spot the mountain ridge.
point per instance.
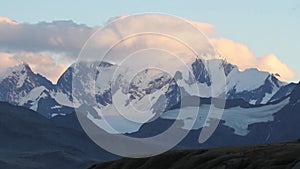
(20, 82)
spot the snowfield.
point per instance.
(237, 118)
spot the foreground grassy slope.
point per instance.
(267, 156)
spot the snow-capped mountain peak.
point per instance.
(20, 71)
(20, 86)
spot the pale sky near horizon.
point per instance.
(266, 27)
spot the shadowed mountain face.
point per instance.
(281, 155)
(32, 141)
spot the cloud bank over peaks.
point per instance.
(49, 47)
(56, 36)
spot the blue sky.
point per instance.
(266, 27)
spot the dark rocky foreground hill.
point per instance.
(266, 156)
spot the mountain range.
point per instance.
(20, 86)
(38, 119)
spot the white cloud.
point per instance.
(7, 21)
(240, 54)
(7, 61)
